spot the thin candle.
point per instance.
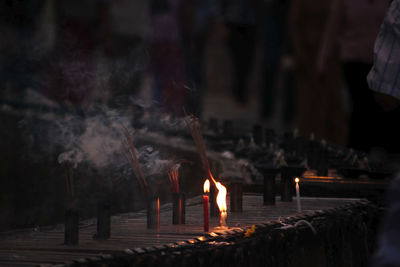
(297, 180)
(206, 189)
(158, 213)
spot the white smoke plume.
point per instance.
(94, 138)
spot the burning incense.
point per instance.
(194, 127)
(131, 155)
(173, 175)
(178, 199)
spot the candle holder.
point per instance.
(71, 227)
(183, 208)
(269, 184)
(236, 196)
(153, 213)
(288, 173)
(178, 208)
(103, 221)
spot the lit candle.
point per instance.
(298, 194)
(221, 202)
(206, 188)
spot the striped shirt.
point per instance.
(384, 76)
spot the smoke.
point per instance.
(93, 135)
(94, 138)
(151, 161)
(72, 156)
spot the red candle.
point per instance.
(205, 210)
(205, 204)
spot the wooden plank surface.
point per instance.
(128, 231)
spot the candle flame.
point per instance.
(206, 186)
(296, 179)
(221, 202)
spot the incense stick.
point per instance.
(130, 153)
(173, 175)
(194, 128)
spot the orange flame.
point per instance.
(296, 180)
(206, 186)
(221, 202)
(221, 199)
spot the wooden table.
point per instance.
(45, 246)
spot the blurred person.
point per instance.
(166, 55)
(351, 30)
(239, 22)
(18, 24)
(383, 80)
(196, 20)
(277, 61)
(128, 27)
(319, 107)
(68, 74)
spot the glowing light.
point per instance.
(221, 202)
(296, 179)
(206, 186)
(250, 231)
